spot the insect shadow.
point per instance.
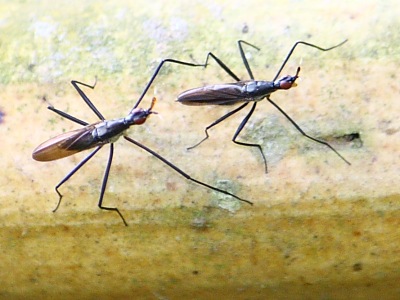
(248, 91)
(104, 132)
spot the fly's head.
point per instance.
(287, 81)
(139, 115)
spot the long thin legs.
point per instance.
(244, 59)
(307, 44)
(87, 101)
(104, 185)
(232, 112)
(153, 77)
(240, 128)
(72, 172)
(85, 98)
(67, 116)
(171, 165)
(306, 135)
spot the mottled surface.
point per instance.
(319, 229)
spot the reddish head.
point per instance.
(287, 81)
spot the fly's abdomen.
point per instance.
(220, 94)
(65, 144)
(227, 94)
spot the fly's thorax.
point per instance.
(258, 90)
(110, 130)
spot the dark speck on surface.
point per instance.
(357, 267)
(2, 114)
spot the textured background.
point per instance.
(318, 229)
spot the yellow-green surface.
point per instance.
(319, 229)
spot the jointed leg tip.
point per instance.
(247, 201)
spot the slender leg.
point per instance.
(306, 135)
(226, 68)
(240, 128)
(183, 173)
(222, 65)
(87, 101)
(244, 59)
(104, 185)
(307, 44)
(85, 98)
(74, 170)
(217, 122)
(153, 77)
(67, 116)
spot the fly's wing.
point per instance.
(66, 144)
(220, 94)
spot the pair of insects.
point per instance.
(104, 132)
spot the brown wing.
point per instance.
(220, 94)
(65, 144)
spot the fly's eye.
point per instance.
(287, 82)
(141, 117)
(141, 120)
(137, 116)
